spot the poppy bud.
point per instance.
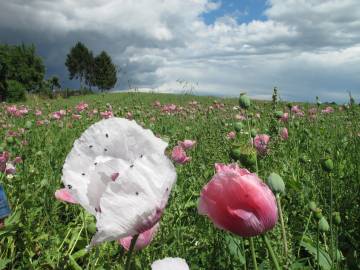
(10, 140)
(244, 101)
(253, 133)
(327, 164)
(318, 213)
(312, 206)
(238, 126)
(276, 183)
(28, 124)
(323, 225)
(279, 114)
(91, 228)
(336, 218)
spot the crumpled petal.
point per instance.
(170, 264)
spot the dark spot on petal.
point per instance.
(105, 149)
(69, 186)
(96, 229)
(141, 155)
(90, 146)
(137, 193)
(107, 135)
(83, 174)
(167, 189)
(95, 163)
(132, 165)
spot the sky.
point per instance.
(306, 48)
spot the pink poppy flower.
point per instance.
(231, 135)
(240, 117)
(76, 116)
(64, 195)
(143, 240)
(295, 109)
(38, 112)
(285, 117)
(187, 144)
(179, 155)
(238, 201)
(10, 169)
(328, 110)
(284, 133)
(260, 142)
(81, 106)
(106, 114)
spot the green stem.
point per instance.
(251, 141)
(331, 224)
(244, 252)
(271, 251)
(317, 247)
(283, 231)
(303, 235)
(253, 255)
(131, 249)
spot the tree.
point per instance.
(78, 61)
(3, 82)
(54, 82)
(23, 65)
(104, 72)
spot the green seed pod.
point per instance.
(246, 155)
(10, 140)
(238, 126)
(28, 124)
(279, 114)
(289, 105)
(244, 101)
(336, 218)
(318, 213)
(253, 133)
(312, 206)
(296, 124)
(91, 228)
(235, 153)
(276, 183)
(327, 164)
(323, 225)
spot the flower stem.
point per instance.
(271, 251)
(283, 231)
(331, 224)
(244, 252)
(303, 235)
(253, 255)
(317, 247)
(131, 249)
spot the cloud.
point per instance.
(306, 48)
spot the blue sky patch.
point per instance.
(243, 11)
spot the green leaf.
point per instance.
(3, 263)
(324, 258)
(234, 246)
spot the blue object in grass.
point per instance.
(4, 205)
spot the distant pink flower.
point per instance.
(56, 115)
(260, 142)
(284, 133)
(300, 113)
(157, 103)
(38, 112)
(64, 195)
(169, 108)
(179, 155)
(257, 115)
(328, 110)
(81, 106)
(240, 117)
(187, 144)
(18, 160)
(231, 135)
(285, 117)
(76, 116)
(129, 115)
(238, 201)
(295, 109)
(106, 114)
(312, 111)
(143, 240)
(39, 122)
(62, 112)
(10, 169)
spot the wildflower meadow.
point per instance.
(160, 181)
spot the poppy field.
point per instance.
(222, 183)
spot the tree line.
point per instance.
(22, 70)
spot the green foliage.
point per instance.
(15, 92)
(3, 83)
(105, 72)
(23, 65)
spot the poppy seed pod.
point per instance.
(327, 164)
(253, 133)
(238, 126)
(276, 183)
(279, 114)
(312, 206)
(336, 218)
(323, 225)
(318, 213)
(244, 101)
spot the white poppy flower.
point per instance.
(170, 263)
(118, 172)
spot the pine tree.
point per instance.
(104, 72)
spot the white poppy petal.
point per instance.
(113, 138)
(170, 263)
(136, 199)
